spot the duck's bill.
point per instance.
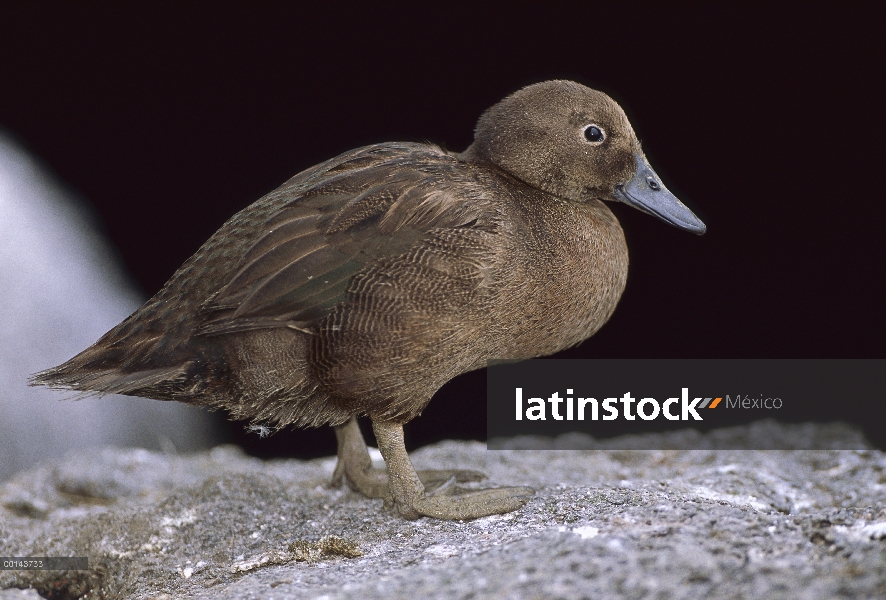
(646, 192)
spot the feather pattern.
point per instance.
(352, 229)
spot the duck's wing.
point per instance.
(391, 223)
(347, 219)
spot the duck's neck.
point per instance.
(472, 154)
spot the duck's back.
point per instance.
(361, 286)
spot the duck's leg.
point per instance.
(355, 466)
(448, 502)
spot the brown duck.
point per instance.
(365, 283)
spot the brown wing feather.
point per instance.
(329, 222)
(333, 229)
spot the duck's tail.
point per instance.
(105, 369)
(87, 382)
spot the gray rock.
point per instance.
(61, 288)
(604, 524)
(16, 594)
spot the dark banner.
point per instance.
(548, 398)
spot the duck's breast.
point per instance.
(569, 270)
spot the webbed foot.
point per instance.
(447, 501)
(471, 504)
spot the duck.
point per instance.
(363, 284)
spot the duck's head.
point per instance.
(575, 143)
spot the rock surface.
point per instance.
(603, 524)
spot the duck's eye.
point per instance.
(594, 134)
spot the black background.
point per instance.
(765, 120)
